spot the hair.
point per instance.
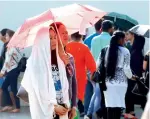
(56, 24)
(76, 36)
(138, 44)
(106, 25)
(113, 54)
(98, 25)
(10, 32)
(3, 31)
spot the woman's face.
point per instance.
(129, 36)
(63, 35)
(7, 37)
(0, 36)
(53, 39)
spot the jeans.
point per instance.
(88, 94)
(1, 82)
(95, 101)
(11, 80)
(3, 99)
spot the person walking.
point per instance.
(117, 65)
(10, 69)
(102, 40)
(90, 87)
(84, 62)
(136, 64)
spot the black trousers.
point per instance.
(6, 100)
(12, 81)
(132, 99)
(112, 113)
(80, 106)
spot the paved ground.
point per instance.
(25, 114)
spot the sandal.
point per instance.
(129, 116)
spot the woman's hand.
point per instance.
(72, 113)
(60, 110)
(65, 59)
(134, 77)
(1, 75)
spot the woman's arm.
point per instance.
(144, 65)
(74, 85)
(145, 62)
(90, 62)
(126, 67)
(6, 65)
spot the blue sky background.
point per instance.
(13, 13)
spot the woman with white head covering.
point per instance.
(45, 78)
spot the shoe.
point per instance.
(129, 116)
(86, 117)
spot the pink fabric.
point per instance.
(75, 17)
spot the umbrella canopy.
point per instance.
(121, 21)
(143, 30)
(75, 17)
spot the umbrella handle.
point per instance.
(59, 37)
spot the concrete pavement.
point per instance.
(25, 114)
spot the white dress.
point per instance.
(117, 87)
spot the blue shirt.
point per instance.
(99, 42)
(88, 40)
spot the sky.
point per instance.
(14, 13)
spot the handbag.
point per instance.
(23, 94)
(100, 75)
(22, 63)
(141, 87)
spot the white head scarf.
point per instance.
(38, 80)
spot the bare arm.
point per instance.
(144, 65)
(74, 85)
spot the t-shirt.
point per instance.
(56, 77)
(88, 40)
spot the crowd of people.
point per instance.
(97, 75)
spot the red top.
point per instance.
(83, 61)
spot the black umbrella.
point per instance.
(121, 21)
